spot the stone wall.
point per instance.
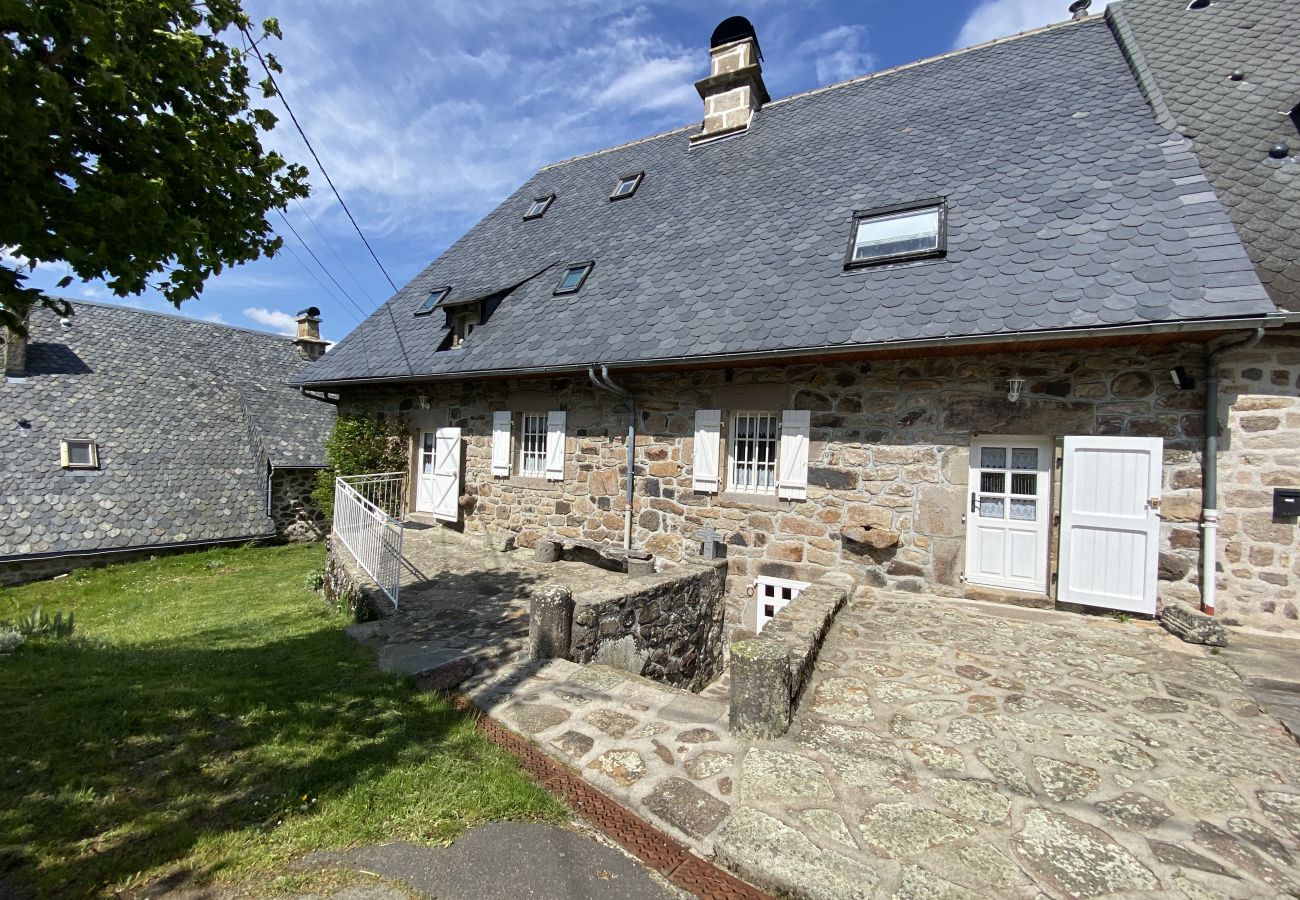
(296, 515)
(1259, 559)
(666, 626)
(348, 587)
(889, 448)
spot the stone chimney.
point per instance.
(734, 90)
(308, 340)
(15, 354)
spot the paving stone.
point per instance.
(1020, 703)
(875, 670)
(531, 718)
(1215, 838)
(1159, 705)
(1260, 837)
(573, 744)
(943, 684)
(828, 824)
(665, 755)
(842, 699)
(968, 730)
(686, 807)
(903, 727)
(981, 703)
(1019, 728)
(773, 855)
(933, 709)
(1073, 700)
(1108, 750)
(697, 736)
(1075, 859)
(1193, 890)
(1065, 781)
(613, 723)
(1283, 809)
(938, 756)
(623, 765)
(708, 763)
(916, 883)
(860, 757)
(725, 786)
(1133, 810)
(650, 730)
(1203, 794)
(974, 673)
(1222, 761)
(971, 799)
(1004, 769)
(1177, 855)
(768, 776)
(1071, 723)
(904, 829)
(989, 867)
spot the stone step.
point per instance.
(433, 666)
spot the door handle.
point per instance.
(972, 501)
(1154, 503)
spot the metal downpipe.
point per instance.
(1210, 469)
(605, 383)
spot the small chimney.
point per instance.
(1079, 9)
(734, 90)
(15, 354)
(308, 340)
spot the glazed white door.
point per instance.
(425, 466)
(1007, 524)
(446, 475)
(1110, 522)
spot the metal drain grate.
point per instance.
(657, 850)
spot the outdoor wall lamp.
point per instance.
(1015, 384)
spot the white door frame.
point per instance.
(1110, 522)
(426, 466)
(992, 534)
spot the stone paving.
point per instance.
(942, 748)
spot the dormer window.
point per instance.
(539, 207)
(463, 324)
(894, 233)
(574, 277)
(79, 453)
(429, 303)
(627, 186)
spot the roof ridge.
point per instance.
(153, 312)
(839, 84)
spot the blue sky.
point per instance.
(428, 113)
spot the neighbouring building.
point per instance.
(126, 433)
(943, 328)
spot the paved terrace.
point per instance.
(942, 749)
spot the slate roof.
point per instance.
(1069, 207)
(186, 415)
(1188, 56)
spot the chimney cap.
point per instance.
(1079, 8)
(734, 28)
(311, 311)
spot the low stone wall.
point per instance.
(296, 514)
(769, 672)
(666, 625)
(347, 586)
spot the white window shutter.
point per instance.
(708, 432)
(501, 442)
(555, 445)
(792, 480)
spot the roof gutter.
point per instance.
(136, 548)
(1190, 326)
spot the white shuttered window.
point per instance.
(532, 445)
(751, 461)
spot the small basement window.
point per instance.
(430, 302)
(539, 207)
(894, 233)
(574, 277)
(79, 453)
(627, 186)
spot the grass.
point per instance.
(209, 721)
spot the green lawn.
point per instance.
(210, 720)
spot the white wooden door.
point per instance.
(446, 475)
(1110, 522)
(1007, 523)
(424, 471)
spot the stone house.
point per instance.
(943, 328)
(126, 433)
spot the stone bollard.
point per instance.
(545, 551)
(637, 566)
(760, 689)
(550, 622)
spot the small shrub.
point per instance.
(315, 580)
(10, 640)
(38, 623)
(359, 444)
(213, 565)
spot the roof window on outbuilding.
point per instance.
(574, 278)
(626, 186)
(896, 233)
(430, 303)
(79, 453)
(539, 207)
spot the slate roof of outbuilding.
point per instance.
(186, 415)
(1189, 56)
(1069, 207)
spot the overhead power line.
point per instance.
(328, 273)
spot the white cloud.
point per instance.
(214, 318)
(278, 321)
(18, 261)
(999, 18)
(840, 53)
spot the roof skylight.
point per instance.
(539, 207)
(574, 277)
(627, 186)
(430, 302)
(893, 233)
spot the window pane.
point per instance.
(752, 457)
(993, 482)
(1024, 510)
(532, 449)
(79, 453)
(993, 457)
(992, 508)
(905, 232)
(572, 278)
(1024, 458)
(432, 300)
(1024, 483)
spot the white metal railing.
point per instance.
(368, 512)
